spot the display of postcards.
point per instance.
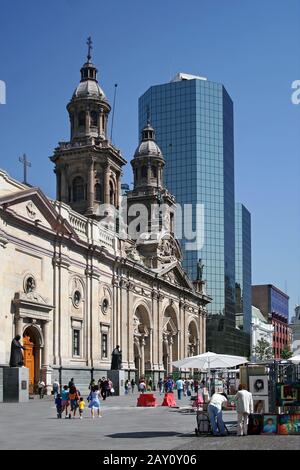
(269, 424)
(289, 424)
(255, 425)
(258, 384)
(260, 404)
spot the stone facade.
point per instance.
(72, 287)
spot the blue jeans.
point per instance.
(216, 420)
(179, 393)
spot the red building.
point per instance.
(274, 305)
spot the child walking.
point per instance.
(58, 403)
(94, 402)
(81, 407)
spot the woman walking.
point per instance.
(94, 402)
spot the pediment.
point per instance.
(33, 207)
(174, 274)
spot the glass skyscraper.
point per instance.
(243, 294)
(193, 120)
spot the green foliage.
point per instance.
(263, 351)
(286, 353)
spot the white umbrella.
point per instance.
(295, 358)
(210, 360)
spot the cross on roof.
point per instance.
(90, 47)
(26, 163)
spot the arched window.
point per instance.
(111, 193)
(78, 189)
(98, 192)
(154, 171)
(81, 119)
(94, 119)
(144, 172)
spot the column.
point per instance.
(142, 343)
(57, 172)
(45, 351)
(91, 188)
(151, 347)
(106, 184)
(148, 172)
(170, 355)
(55, 264)
(87, 122)
(19, 326)
(64, 184)
(130, 352)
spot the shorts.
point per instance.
(74, 405)
(64, 404)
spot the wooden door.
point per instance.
(29, 361)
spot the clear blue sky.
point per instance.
(250, 46)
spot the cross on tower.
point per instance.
(148, 114)
(26, 163)
(90, 47)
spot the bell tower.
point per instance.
(88, 166)
(153, 203)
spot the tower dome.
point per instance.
(148, 146)
(88, 108)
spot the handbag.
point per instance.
(112, 390)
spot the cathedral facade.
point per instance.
(76, 281)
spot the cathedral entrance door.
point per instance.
(31, 342)
(29, 360)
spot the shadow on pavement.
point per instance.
(144, 434)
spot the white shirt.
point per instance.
(244, 402)
(217, 400)
(179, 384)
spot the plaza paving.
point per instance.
(123, 426)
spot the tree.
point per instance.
(286, 353)
(263, 350)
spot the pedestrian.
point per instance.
(170, 385)
(94, 402)
(196, 385)
(41, 388)
(73, 397)
(110, 390)
(150, 384)
(160, 386)
(58, 404)
(71, 382)
(81, 407)
(180, 387)
(126, 386)
(65, 401)
(132, 385)
(93, 383)
(104, 390)
(215, 413)
(55, 388)
(244, 407)
(142, 386)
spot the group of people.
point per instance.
(244, 407)
(69, 399)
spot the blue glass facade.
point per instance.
(279, 303)
(193, 120)
(243, 292)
